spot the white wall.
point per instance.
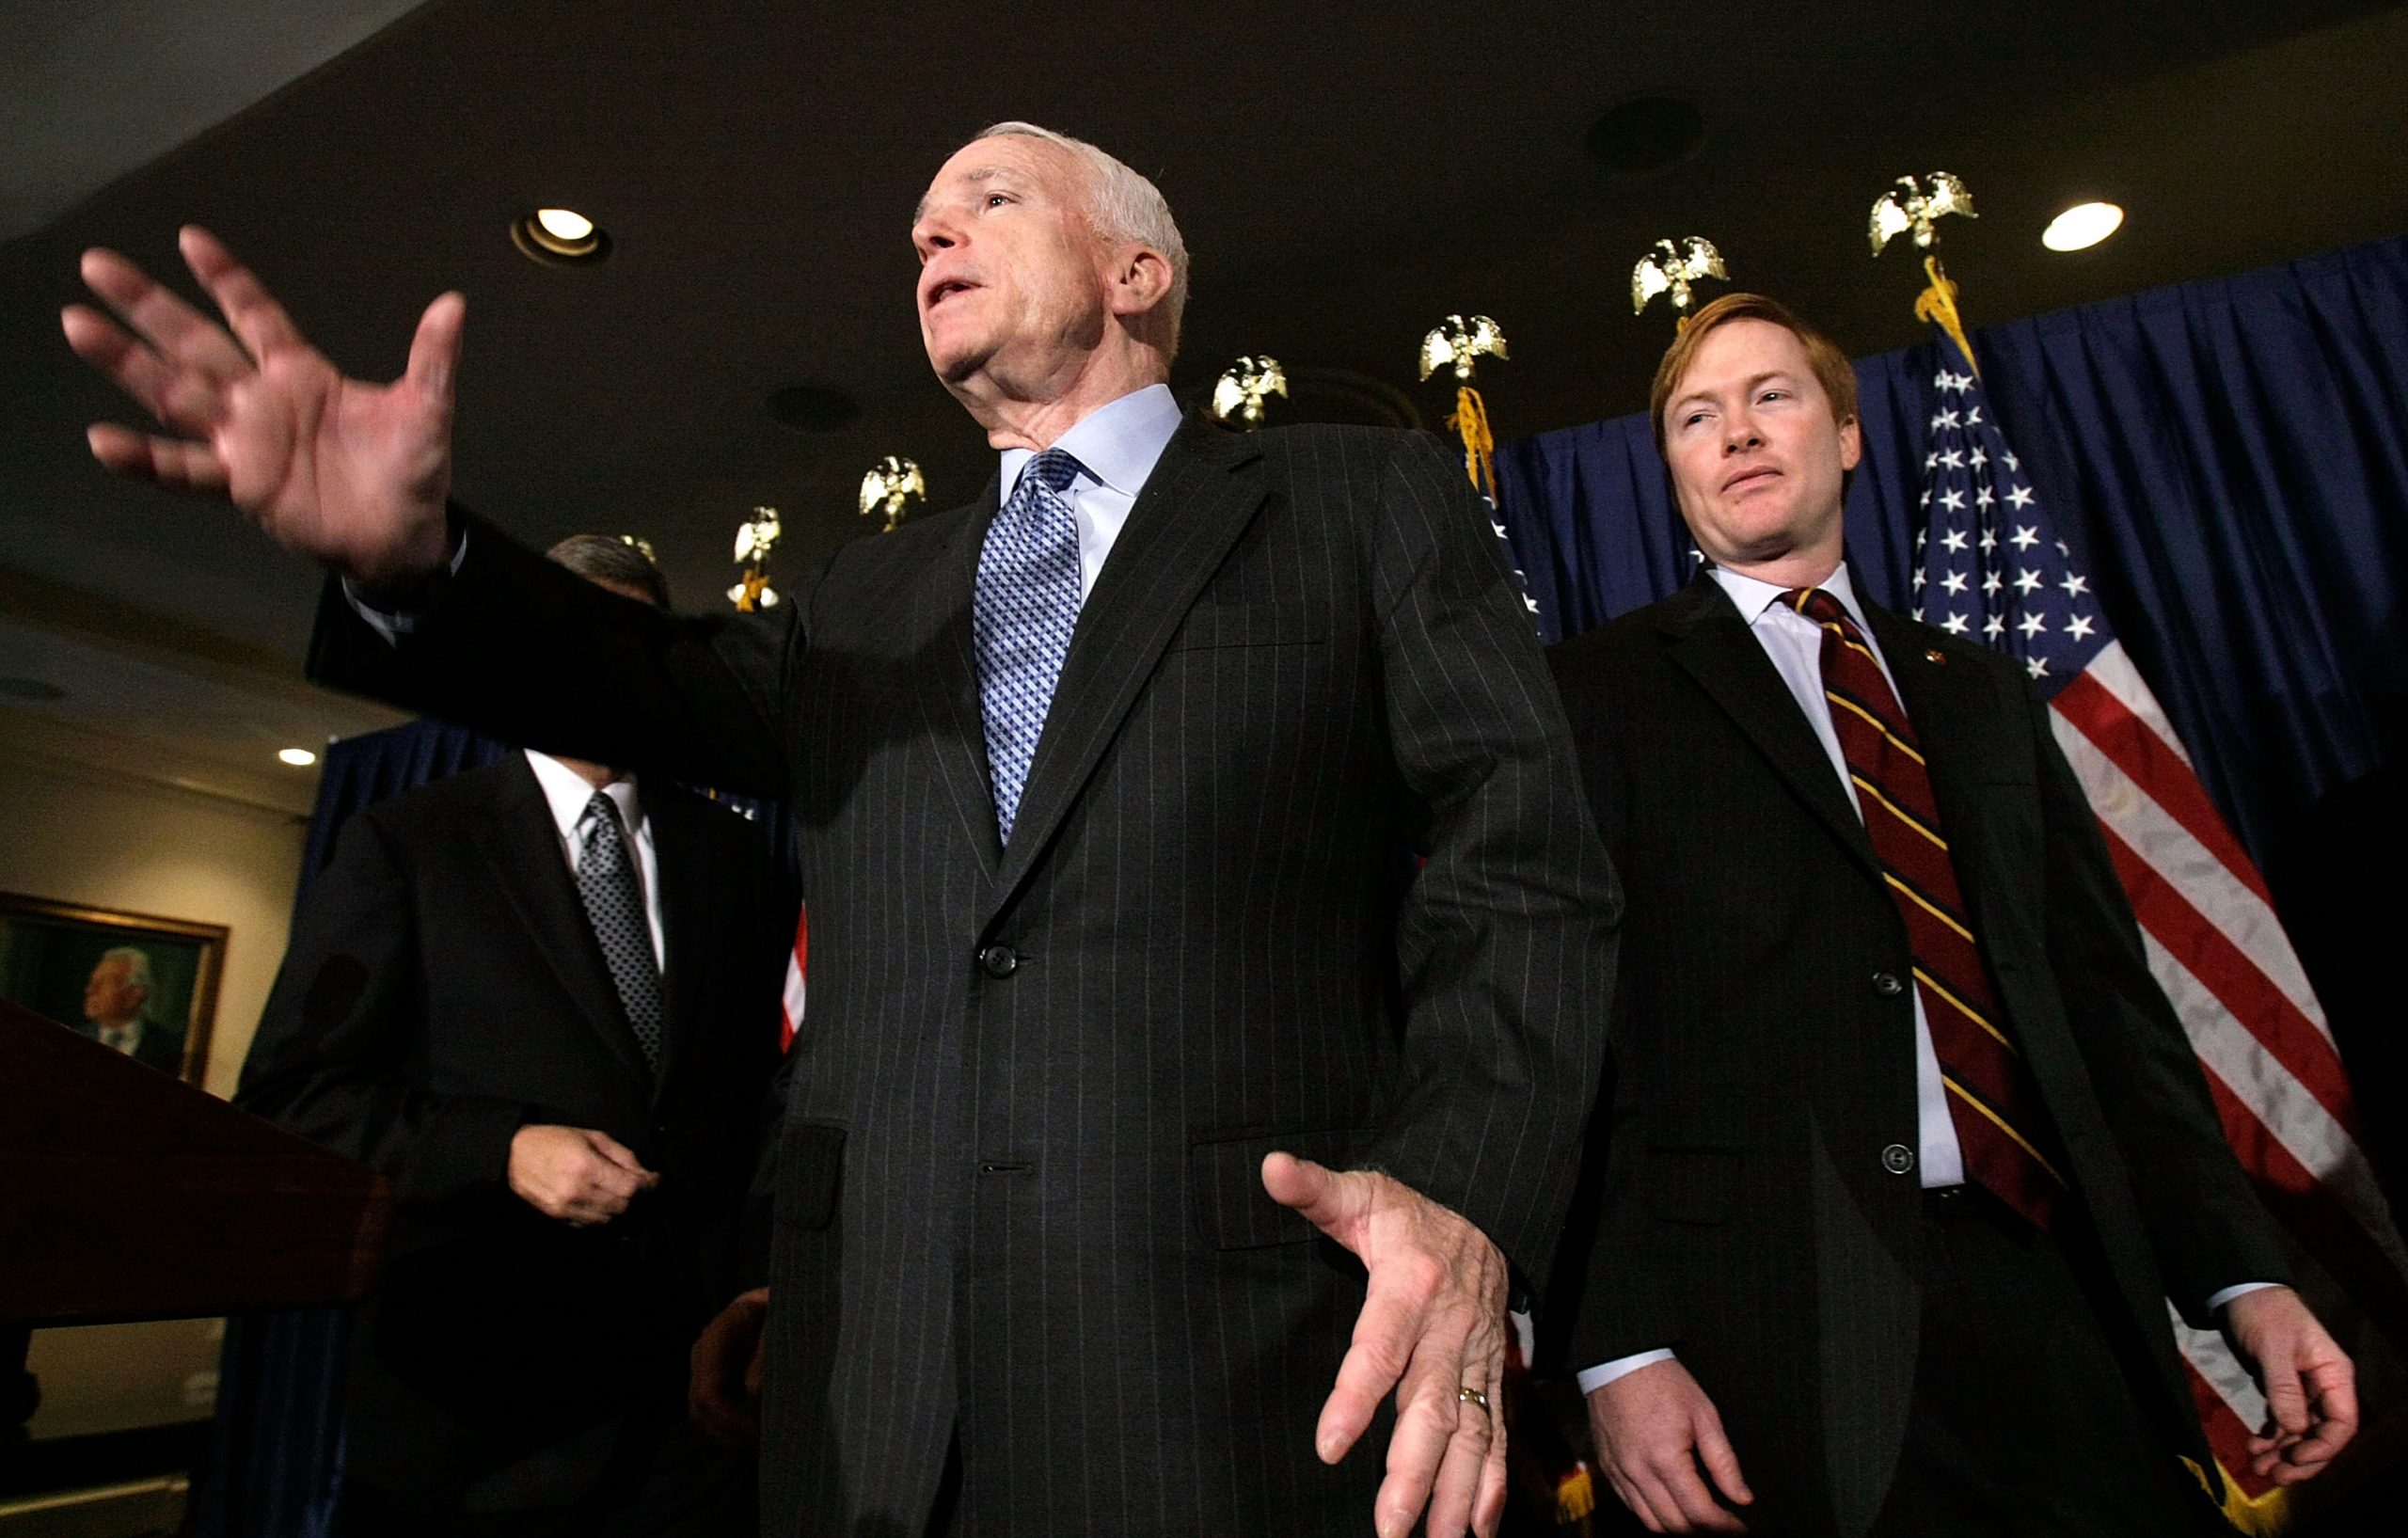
(86, 835)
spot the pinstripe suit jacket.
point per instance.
(1018, 1188)
(1762, 1052)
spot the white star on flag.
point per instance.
(2026, 536)
(1955, 625)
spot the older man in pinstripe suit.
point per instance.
(1101, 785)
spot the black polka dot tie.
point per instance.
(605, 878)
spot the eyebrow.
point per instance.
(976, 173)
(1752, 382)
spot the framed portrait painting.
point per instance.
(142, 984)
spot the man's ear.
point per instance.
(1851, 444)
(1140, 281)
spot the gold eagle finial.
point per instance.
(755, 538)
(890, 483)
(1459, 342)
(1670, 268)
(1239, 396)
(1914, 203)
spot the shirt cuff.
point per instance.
(1593, 1378)
(395, 623)
(2224, 1295)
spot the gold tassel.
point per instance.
(2266, 1516)
(1480, 446)
(755, 579)
(1576, 1497)
(1938, 307)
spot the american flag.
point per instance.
(1991, 564)
(797, 967)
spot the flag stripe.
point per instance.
(2131, 744)
(2201, 917)
(2249, 1000)
(2139, 809)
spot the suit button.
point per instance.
(1897, 1159)
(1887, 985)
(999, 960)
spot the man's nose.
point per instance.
(1740, 437)
(932, 233)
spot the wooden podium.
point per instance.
(125, 1193)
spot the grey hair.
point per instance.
(1124, 206)
(614, 563)
(138, 966)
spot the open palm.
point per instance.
(351, 474)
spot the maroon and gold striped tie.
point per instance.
(1991, 1098)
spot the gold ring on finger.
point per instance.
(1469, 1395)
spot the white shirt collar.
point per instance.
(1119, 444)
(566, 792)
(1753, 597)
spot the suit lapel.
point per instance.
(1711, 641)
(524, 852)
(947, 682)
(1203, 492)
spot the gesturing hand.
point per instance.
(350, 474)
(2312, 1387)
(575, 1174)
(1432, 1324)
(1653, 1428)
(723, 1390)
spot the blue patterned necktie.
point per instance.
(1027, 604)
(606, 879)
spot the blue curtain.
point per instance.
(275, 1452)
(2230, 461)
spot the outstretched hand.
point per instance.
(2311, 1384)
(1432, 1325)
(351, 474)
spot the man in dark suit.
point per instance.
(542, 997)
(1907, 1151)
(1102, 788)
(117, 1013)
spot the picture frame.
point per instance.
(144, 983)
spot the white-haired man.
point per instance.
(116, 997)
(1102, 788)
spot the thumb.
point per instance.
(1714, 1449)
(2286, 1397)
(1323, 1195)
(434, 351)
(618, 1154)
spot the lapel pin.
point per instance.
(1935, 654)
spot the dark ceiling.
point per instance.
(1345, 175)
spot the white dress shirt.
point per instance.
(567, 792)
(1794, 644)
(1116, 447)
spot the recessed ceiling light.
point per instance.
(2080, 225)
(560, 236)
(298, 757)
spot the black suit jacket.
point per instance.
(161, 1046)
(1019, 1186)
(1762, 1058)
(442, 988)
